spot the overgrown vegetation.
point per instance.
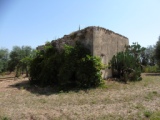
(73, 67)
(17, 60)
(4, 55)
(126, 65)
(157, 52)
(20, 58)
(69, 63)
(148, 56)
(151, 69)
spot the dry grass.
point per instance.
(133, 101)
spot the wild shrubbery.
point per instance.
(126, 65)
(151, 69)
(73, 67)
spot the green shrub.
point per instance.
(150, 69)
(4, 118)
(148, 114)
(44, 67)
(126, 65)
(73, 67)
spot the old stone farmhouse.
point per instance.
(101, 42)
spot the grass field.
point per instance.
(131, 101)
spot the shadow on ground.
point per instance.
(41, 90)
(34, 89)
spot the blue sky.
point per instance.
(33, 22)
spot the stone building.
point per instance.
(100, 41)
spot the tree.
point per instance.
(148, 56)
(135, 50)
(20, 58)
(15, 56)
(157, 51)
(3, 59)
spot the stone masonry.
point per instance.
(100, 41)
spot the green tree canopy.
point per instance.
(19, 59)
(157, 51)
(4, 55)
(148, 56)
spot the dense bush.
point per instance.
(126, 65)
(44, 66)
(73, 67)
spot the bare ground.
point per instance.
(131, 101)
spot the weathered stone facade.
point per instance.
(101, 42)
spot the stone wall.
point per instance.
(84, 36)
(100, 41)
(106, 44)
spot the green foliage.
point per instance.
(126, 65)
(25, 62)
(148, 114)
(3, 59)
(135, 50)
(148, 56)
(73, 67)
(44, 67)
(80, 68)
(151, 69)
(157, 52)
(20, 58)
(4, 118)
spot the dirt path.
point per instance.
(9, 80)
